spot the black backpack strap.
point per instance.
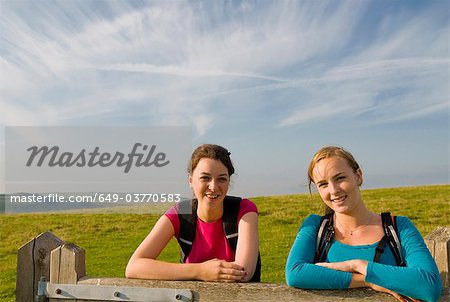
(380, 249)
(324, 237)
(392, 238)
(231, 207)
(257, 274)
(187, 214)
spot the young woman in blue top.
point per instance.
(357, 230)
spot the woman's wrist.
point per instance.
(195, 271)
(357, 281)
(360, 266)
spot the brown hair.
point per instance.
(211, 151)
(326, 152)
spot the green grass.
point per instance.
(110, 239)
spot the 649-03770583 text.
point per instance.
(96, 197)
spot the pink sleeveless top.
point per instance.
(210, 241)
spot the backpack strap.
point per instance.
(231, 207)
(187, 214)
(391, 237)
(324, 237)
(380, 249)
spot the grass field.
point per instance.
(110, 239)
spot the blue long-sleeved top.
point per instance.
(419, 279)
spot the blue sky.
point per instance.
(272, 81)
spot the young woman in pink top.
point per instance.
(211, 258)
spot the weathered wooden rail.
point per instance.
(49, 269)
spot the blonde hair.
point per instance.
(327, 152)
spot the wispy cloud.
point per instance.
(181, 71)
(388, 67)
(322, 111)
(175, 60)
(418, 82)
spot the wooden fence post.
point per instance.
(438, 242)
(67, 265)
(33, 262)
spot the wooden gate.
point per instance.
(50, 269)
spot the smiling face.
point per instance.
(210, 181)
(338, 184)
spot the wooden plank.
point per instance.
(240, 292)
(442, 254)
(67, 266)
(438, 242)
(55, 266)
(25, 272)
(429, 241)
(33, 261)
(55, 263)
